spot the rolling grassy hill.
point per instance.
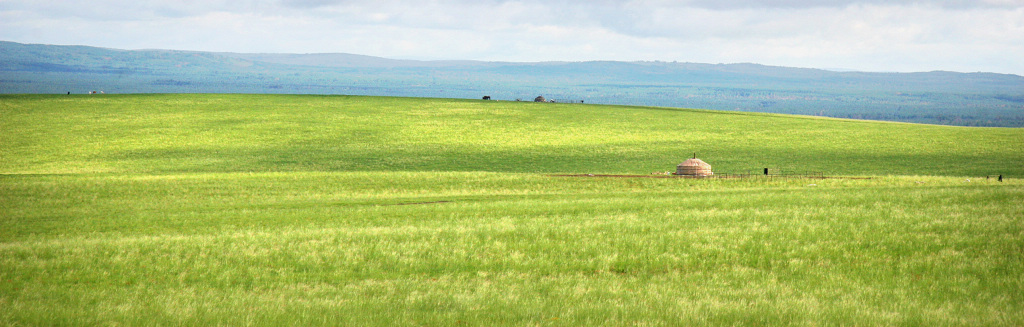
(258, 133)
(366, 211)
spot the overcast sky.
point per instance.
(868, 35)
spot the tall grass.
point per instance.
(340, 248)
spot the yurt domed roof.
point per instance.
(694, 162)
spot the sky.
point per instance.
(865, 35)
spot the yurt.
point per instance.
(694, 167)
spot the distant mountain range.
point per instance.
(970, 99)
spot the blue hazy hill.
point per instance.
(970, 99)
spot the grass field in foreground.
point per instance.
(307, 210)
(434, 249)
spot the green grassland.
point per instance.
(337, 210)
(155, 134)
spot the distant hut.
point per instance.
(540, 98)
(694, 167)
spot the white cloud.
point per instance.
(804, 4)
